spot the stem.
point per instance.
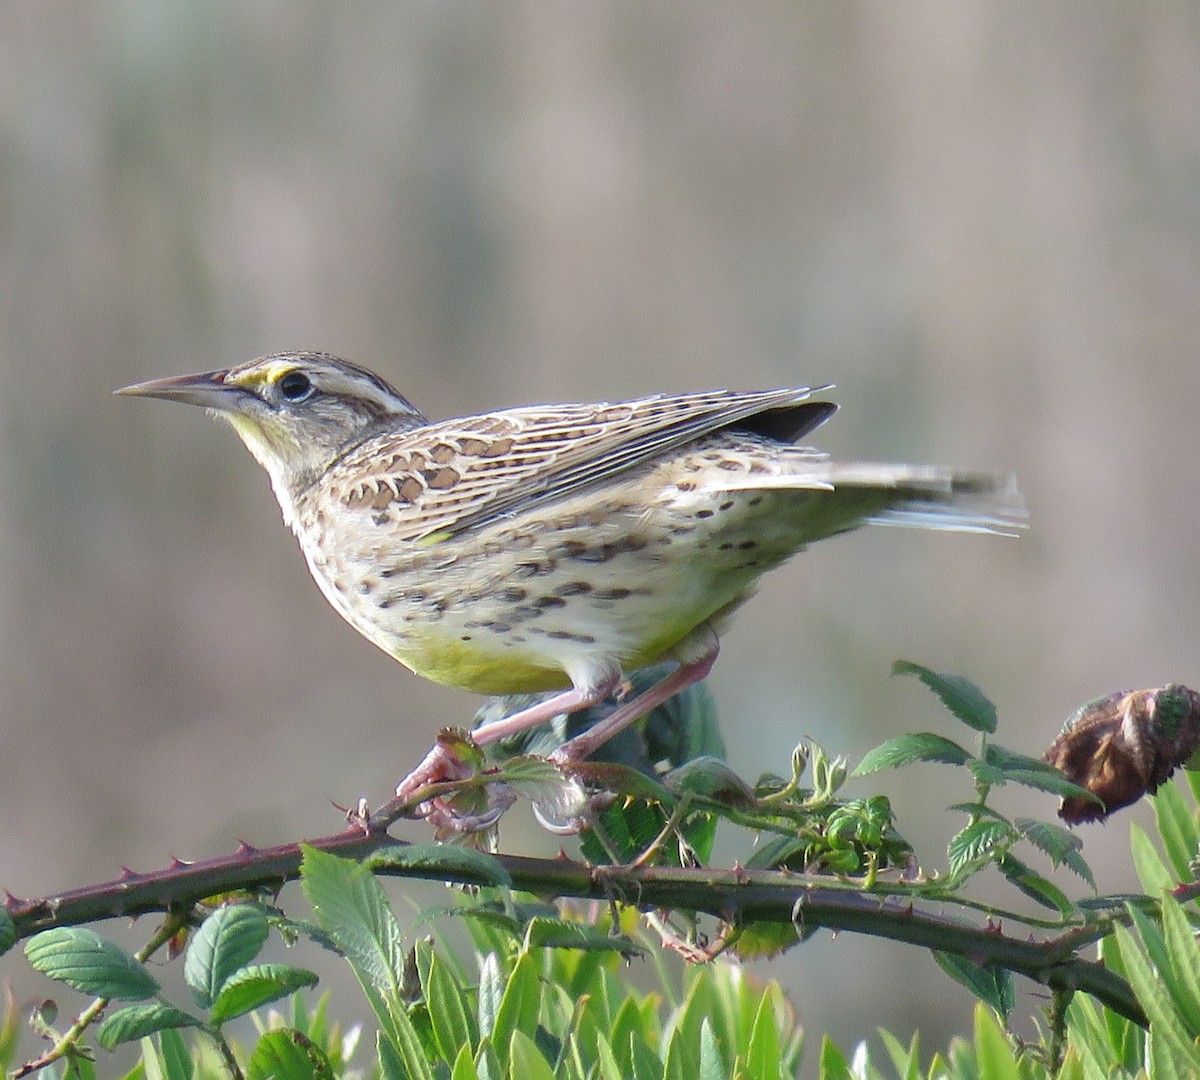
(738, 896)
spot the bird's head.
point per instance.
(296, 412)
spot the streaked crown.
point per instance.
(296, 412)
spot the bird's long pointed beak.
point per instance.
(207, 389)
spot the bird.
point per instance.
(557, 547)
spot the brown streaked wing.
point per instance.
(549, 452)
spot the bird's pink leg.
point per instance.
(681, 678)
(439, 764)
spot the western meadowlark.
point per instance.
(557, 546)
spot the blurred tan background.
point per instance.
(981, 220)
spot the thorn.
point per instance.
(178, 863)
(127, 874)
(11, 901)
(340, 808)
(246, 849)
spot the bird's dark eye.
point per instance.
(295, 386)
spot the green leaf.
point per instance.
(89, 963)
(454, 1029)
(986, 775)
(1165, 1024)
(487, 1061)
(1177, 829)
(464, 1065)
(1011, 761)
(138, 1021)
(644, 1063)
(176, 1057)
(606, 1062)
(993, 985)
(402, 1035)
(519, 1005)
(1182, 973)
(978, 840)
(906, 749)
(255, 986)
(491, 991)
(995, 1056)
(285, 1054)
(763, 1052)
(353, 909)
(543, 933)
(832, 1062)
(1152, 872)
(712, 779)
(390, 1065)
(629, 830)
(961, 696)
(525, 1060)
(712, 1065)
(1053, 783)
(1061, 845)
(1033, 885)
(906, 1060)
(227, 940)
(8, 931)
(463, 865)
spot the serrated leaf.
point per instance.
(608, 776)
(979, 810)
(227, 940)
(138, 1021)
(89, 963)
(993, 985)
(977, 840)
(255, 986)
(985, 774)
(1061, 845)
(286, 1054)
(1008, 760)
(760, 940)
(907, 749)
(711, 778)
(1052, 783)
(353, 909)
(462, 865)
(961, 696)
(628, 830)
(1034, 885)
